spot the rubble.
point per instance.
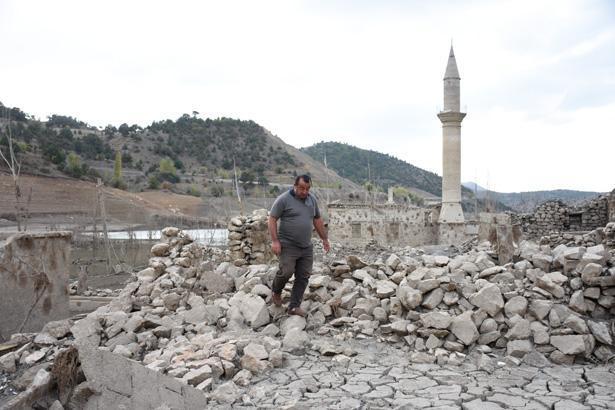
(199, 317)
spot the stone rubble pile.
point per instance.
(248, 239)
(208, 322)
(73, 290)
(604, 236)
(553, 302)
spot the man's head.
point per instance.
(302, 186)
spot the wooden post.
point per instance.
(103, 214)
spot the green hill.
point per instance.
(360, 165)
(191, 150)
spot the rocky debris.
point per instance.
(73, 290)
(174, 319)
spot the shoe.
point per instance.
(296, 311)
(276, 298)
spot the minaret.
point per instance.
(451, 118)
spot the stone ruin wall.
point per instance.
(34, 281)
(611, 206)
(391, 224)
(556, 216)
(248, 239)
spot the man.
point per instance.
(297, 211)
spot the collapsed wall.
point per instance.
(34, 281)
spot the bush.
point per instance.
(193, 191)
(118, 183)
(153, 182)
(216, 191)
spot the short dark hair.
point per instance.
(305, 177)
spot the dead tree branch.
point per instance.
(15, 168)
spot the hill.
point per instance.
(190, 150)
(527, 201)
(384, 171)
(360, 165)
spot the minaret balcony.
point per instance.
(451, 116)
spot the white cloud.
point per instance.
(536, 76)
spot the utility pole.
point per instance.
(327, 174)
(237, 188)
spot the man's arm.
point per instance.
(272, 223)
(322, 232)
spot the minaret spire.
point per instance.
(451, 117)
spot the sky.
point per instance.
(537, 76)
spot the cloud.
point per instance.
(367, 73)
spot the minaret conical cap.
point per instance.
(451, 67)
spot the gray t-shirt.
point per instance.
(296, 218)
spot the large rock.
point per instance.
(569, 344)
(393, 261)
(433, 298)
(409, 297)
(600, 330)
(292, 322)
(226, 393)
(160, 249)
(253, 308)
(253, 364)
(542, 261)
(295, 341)
(546, 282)
(518, 348)
(436, 320)
(516, 306)
(520, 329)
(57, 328)
(354, 262)
(464, 329)
(540, 308)
(489, 298)
(577, 302)
(576, 324)
(385, 288)
(591, 270)
(196, 376)
(216, 282)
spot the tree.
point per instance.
(153, 182)
(167, 170)
(246, 177)
(167, 166)
(262, 180)
(124, 129)
(216, 191)
(14, 167)
(109, 131)
(117, 168)
(73, 167)
(118, 181)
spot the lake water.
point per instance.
(205, 236)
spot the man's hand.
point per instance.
(276, 247)
(326, 245)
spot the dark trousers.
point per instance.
(298, 261)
